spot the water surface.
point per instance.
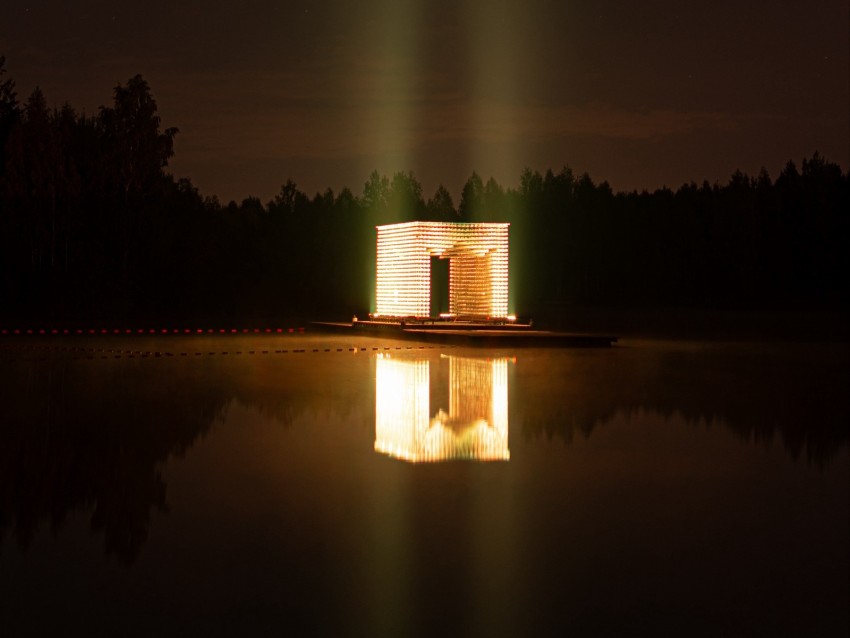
(349, 486)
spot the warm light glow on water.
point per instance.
(472, 424)
(231, 486)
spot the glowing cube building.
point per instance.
(478, 268)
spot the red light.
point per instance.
(221, 331)
(200, 331)
(268, 329)
(233, 330)
(256, 329)
(91, 331)
(280, 330)
(291, 330)
(152, 331)
(244, 329)
(128, 331)
(103, 331)
(175, 331)
(54, 332)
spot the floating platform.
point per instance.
(487, 335)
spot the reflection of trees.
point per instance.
(95, 435)
(301, 388)
(797, 393)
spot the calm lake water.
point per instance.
(315, 485)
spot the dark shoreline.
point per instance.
(705, 324)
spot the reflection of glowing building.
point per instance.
(475, 426)
(478, 268)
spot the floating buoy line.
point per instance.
(16, 351)
(144, 331)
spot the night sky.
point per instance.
(640, 94)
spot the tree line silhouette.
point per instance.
(94, 228)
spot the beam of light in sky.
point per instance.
(424, 96)
(326, 91)
(493, 52)
(393, 86)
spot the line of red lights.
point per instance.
(147, 331)
(132, 354)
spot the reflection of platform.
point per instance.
(472, 335)
(475, 427)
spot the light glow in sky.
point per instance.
(639, 94)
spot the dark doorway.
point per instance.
(438, 396)
(439, 286)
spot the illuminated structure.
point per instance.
(475, 426)
(478, 268)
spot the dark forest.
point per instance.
(93, 228)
